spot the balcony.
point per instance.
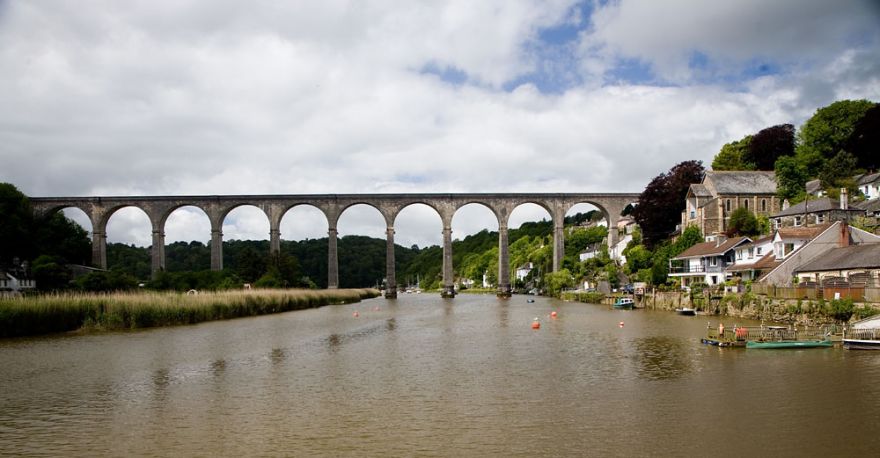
(700, 269)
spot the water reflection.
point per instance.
(661, 358)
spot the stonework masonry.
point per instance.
(158, 208)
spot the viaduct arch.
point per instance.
(158, 208)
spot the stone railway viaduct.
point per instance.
(158, 208)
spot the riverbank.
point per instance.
(751, 306)
(34, 315)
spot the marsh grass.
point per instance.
(62, 312)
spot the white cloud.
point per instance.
(196, 97)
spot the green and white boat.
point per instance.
(779, 344)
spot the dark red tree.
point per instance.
(661, 203)
(769, 145)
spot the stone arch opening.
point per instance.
(586, 250)
(418, 234)
(475, 246)
(245, 231)
(361, 257)
(530, 246)
(129, 241)
(303, 232)
(187, 232)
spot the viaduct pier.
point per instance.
(158, 208)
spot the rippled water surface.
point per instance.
(427, 376)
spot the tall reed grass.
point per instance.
(32, 315)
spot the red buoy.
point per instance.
(355, 314)
(553, 314)
(536, 324)
(620, 324)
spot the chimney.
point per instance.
(843, 240)
(785, 204)
(844, 202)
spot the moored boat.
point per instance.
(624, 303)
(864, 335)
(686, 311)
(779, 344)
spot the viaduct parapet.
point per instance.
(158, 208)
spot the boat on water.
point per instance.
(774, 344)
(863, 335)
(767, 337)
(686, 311)
(624, 303)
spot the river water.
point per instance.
(432, 377)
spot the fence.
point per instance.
(856, 293)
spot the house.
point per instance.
(814, 188)
(710, 203)
(818, 211)
(523, 271)
(706, 262)
(13, 286)
(590, 252)
(869, 185)
(751, 259)
(856, 265)
(797, 246)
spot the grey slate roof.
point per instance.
(815, 205)
(867, 178)
(814, 186)
(741, 182)
(870, 206)
(711, 248)
(700, 191)
(865, 256)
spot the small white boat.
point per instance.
(686, 311)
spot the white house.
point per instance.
(10, 285)
(523, 271)
(750, 259)
(869, 185)
(706, 262)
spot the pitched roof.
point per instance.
(711, 248)
(757, 242)
(865, 256)
(700, 191)
(739, 182)
(870, 206)
(814, 186)
(813, 206)
(867, 178)
(802, 232)
(768, 261)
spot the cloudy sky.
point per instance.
(228, 97)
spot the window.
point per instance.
(751, 253)
(693, 214)
(759, 251)
(739, 254)
(727, 205)
(746, 204)
(820, 218)
(787, 249)
(797, 220)
(713, 261)
(763, 205)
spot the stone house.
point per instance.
(710, 203)
(817, 211)
(14, 286)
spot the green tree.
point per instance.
(555, 282)
(732, 156)
(837, 173)
(663, 199)
(742, 222)
(16, 222)
(823, 135)
(50, 273)
(791, 179)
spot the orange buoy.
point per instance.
(355, 314)
(536, 324)
(553, 314)
(620, 324)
